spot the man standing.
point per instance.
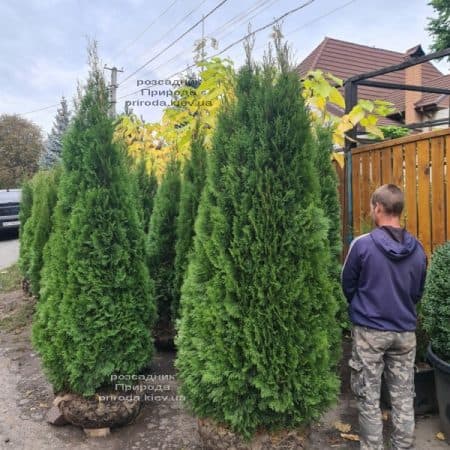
(383, 279)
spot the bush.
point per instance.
(193, 180)
(97, 307)
(257, 307)
(161, 244)
(436, 302)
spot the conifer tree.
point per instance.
(97, 306)
(254, 339)
(161, 242)
(38, 227)
(193, 180)
(26, 204)
(147, 185)
(53, 145)
(331, 207)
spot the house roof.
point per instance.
(429, 99)
(345, 59)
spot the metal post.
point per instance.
(351, 98)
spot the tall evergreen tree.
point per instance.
(331, 207)
(53, 145)
(26, 205)
(254, 339)
(97, 306)
(161, 242)
(147, 185)
(38, 227)
(193, 180)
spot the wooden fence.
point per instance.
(418, 164)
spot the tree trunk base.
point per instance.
(103, 410)
(219, 437)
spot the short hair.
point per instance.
(390, 197)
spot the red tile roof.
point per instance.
(345, 59)
(436, 99)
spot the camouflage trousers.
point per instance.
(373, 352)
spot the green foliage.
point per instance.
(147, 185)
(436, 302)
(21, 146)
(194, 173)
(391, 132)
(97, 308)
(423, 339)
(331, 207)
(254, 339)
(26, 204)
(439, 27)
(38, 227)
(161, 242)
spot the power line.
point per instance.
(38, 110)
(144, 31)
(236, 42)
(321, 17)
(175, 41)
(248, 35)
(168, 32)
(241, 16)
(306, 24)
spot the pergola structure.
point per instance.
(351, 99)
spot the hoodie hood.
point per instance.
(392, 248)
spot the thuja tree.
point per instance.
(331, 205)
(436, 302)
(161, 242)
(257, 304)
(38, 227)
(193, 180)
(26, 204)
(95, 317)
(147, 185)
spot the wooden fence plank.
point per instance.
(411, 188)
(397, 165)
(365, 193)
(447, 180)
(386, 166)
(397, 171)
(423, 194)
(356, 175)
(376, 169)
(437, 192)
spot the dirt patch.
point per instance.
(164, 422)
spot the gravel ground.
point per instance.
(26, 395)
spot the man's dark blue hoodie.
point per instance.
(383, 279)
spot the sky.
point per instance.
(43, 42)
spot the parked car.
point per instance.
(9, 208)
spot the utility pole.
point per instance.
(113, 90)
